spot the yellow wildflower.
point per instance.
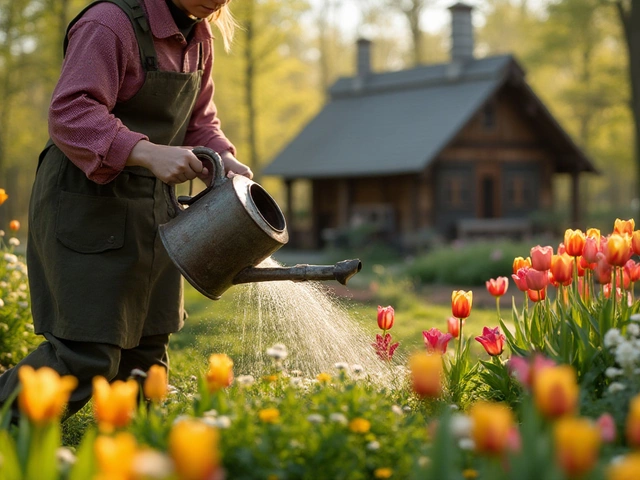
(359, 425)
(382, 473)
(323, 377)
(469, 473)
(269, 415)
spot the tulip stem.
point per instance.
(498, 308)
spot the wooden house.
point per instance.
(459, 148)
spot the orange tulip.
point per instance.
(541, 257)
(461, 303)
(562, 268)
(220, 373)
(14, 225)
(574, 241)
(537, 295)
(193, 446)
(386, 317)
(618, 250)
(635, 242)
(632, 427)
(3, 196)
(115, 455)
(624, 227)
(556, 391)
(426, 374)
(155, 385)
(520, 262)
(497, 287)
(577, 443)
(114, 405)
(626, 469)
(491, 424)
(44, 393)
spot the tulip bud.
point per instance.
(574, 241)
(155, 385)
(520, 262)
(426, 374)
(556, 391)
(577, 443)
(491, 426)
(114, 404)
(193, 446)
(461, 303)
(497, 287)
(386, 317)
(220, 373)
(44, 393)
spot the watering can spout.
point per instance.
(341, 271)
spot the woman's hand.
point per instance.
(232, 166)
(172, 165)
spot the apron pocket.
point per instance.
(91, 224)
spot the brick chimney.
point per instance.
(461, 33)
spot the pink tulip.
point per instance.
(537, 279)
(541, 257)
(525, 369)
(520, 279)
(607, 426)
(453, 326)
(436, 341)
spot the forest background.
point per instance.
(287, 53)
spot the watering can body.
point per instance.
(231, 225)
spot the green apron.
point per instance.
(98, 271)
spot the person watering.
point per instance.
(135, 87)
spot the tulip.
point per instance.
(3, 196)
(591, 249)
(556, 391)
(491, 426)
(520, 279)
(537, 279)
(115, 455)
(461, 303)
(155, 385)
(497, 287)
(220, 373)
(635, 242)
(625, 469)
(577, 443)
(561, 249)
(633, 270)
(583, 265)
(386, 316)
(606, 291)
(114, 405)
(603, 270)
(520, 262)
(617, 250)
(541, 257)
(525, 370)
(624, 227)
(193, 446)
(537, 295)
(632, 427)
(593, 233)
(436, 341)
(492, 340)
(426, 374)
(44, 393)
(607, 426)
(453, 326)
(574, 241)
(14, 225)
(562, 269)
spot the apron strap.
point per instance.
(138, 18)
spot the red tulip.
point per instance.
(492, 340)
(574, 241)
(386, 317)
(453, 326)
(461, 303)
(498, 287)
(436, 341)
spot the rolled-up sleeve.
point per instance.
(204, 126)
(80, 122)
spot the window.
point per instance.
(489, 116)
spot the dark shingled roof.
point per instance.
(398, 122)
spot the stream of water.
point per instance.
(314, 325)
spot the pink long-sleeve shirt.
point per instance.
(102, 66)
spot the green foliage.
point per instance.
(467, 264)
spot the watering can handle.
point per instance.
(204, 153)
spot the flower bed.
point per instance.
(555, 397)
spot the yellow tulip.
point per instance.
(359, 425)
(114, 405)
(632, 427)
(426, 374)
(115, 455)
(491, 424)
(625, 469)
(577, 443)
(193, 446)
(556, 391)
(155, 385)
(44, 393)
(574, 242)
(618, 251)
(461, 303)
(220, 373)
(624, 227)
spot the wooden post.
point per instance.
(575, 199)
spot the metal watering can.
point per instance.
(228, 229)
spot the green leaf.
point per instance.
(85, 460)
(9, 462)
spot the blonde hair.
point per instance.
(223, 19)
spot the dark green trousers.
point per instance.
(86, 360)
